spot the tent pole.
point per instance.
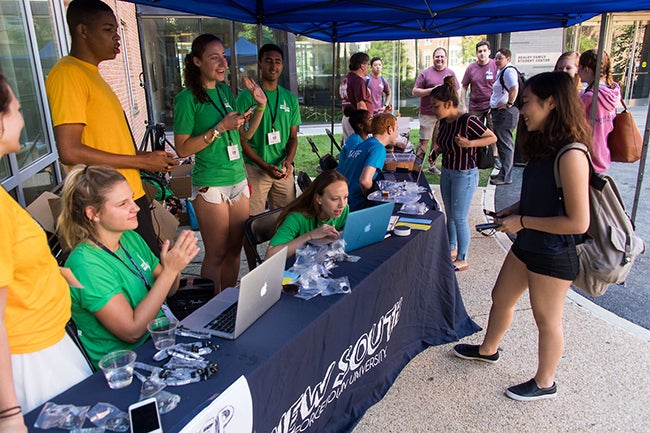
(335, 69)
(640, 175)
(604, 25)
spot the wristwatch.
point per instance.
(216, 133)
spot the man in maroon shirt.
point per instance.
(354, 91)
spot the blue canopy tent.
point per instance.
(244, 48)
(369, 20)
(364, 20)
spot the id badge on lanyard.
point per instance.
(273, 137)
(233, 152)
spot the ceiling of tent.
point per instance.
(366, 20)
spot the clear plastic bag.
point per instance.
(336, 286)
(63, 416)
(108, 416)
(414, 209)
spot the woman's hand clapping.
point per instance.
(181, 253)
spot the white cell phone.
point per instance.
(144, 417)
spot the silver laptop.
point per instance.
(232, 311)
(367, 226)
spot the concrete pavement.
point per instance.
(602, 378)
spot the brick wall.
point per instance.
(115, 71)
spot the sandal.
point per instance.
(459, 267)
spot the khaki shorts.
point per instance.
(427, 125)
(222, 194)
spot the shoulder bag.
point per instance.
(625, 141)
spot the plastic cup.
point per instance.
(118, 368)
(163, 332)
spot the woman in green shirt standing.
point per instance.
(318, 213)
(206, 123)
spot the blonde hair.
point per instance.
(84, 186)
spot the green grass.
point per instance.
(307, 161)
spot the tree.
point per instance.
(468, 45)
(388, 51)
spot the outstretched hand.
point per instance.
(178, 256)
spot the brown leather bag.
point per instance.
(625, 141)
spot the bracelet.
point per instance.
(521, 221)
(3, 413)
(260, 110)
(205, 139)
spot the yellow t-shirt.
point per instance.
(78, 94)
(38, 297)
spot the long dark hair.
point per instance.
(589, 59)
(5, 94)
(306, 203)
(192, 72)
(565, 124)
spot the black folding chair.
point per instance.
(303, 180)
(327, 162)
(333, 139)
(257, 230)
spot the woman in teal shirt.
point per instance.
(207, 123)
(318, 213)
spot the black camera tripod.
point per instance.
(154, 135)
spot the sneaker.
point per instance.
(497, 181)
(470, 351)
(494, 176)
(433, 169)
(529, 391)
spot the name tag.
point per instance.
(273, 137)
(233, 152)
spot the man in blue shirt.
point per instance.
(361, 162)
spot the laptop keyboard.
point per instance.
(225, 322)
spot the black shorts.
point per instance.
(563, 265)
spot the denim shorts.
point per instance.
(222, 194)
(563, 266)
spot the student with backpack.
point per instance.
(504, 113)
(543, 258)
(378, 87)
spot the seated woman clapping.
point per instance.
(318, 213)
(124, 284)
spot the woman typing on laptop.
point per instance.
(318, 213)
(124, 283)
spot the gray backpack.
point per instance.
(610, 245)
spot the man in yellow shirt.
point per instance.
(89, 122)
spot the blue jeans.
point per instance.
(457, 188)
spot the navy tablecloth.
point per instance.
(318, 365)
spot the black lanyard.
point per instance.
(135, 270)
(223, 112)
(277, 104)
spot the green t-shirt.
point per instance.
(212, 166)
(103, 277)
(297, 224)
(283, 107)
